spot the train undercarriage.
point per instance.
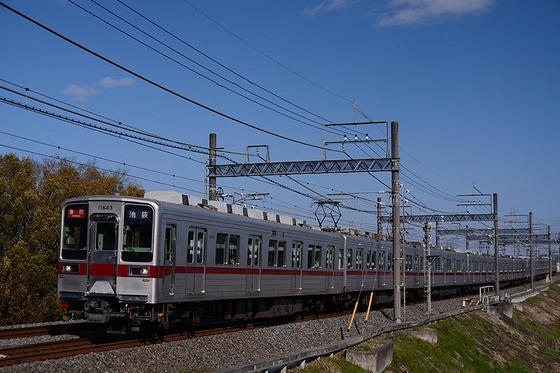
(124, 317)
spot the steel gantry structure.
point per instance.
(444, 218)
(302, 167)
(325, 166)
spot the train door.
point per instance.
(253, 279)
(169, 259)
(196, 261)
(330, 266)
(340, 266)
(102, 254)
(297, 276)
(381, 271)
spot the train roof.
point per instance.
(176, 198)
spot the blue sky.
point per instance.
(474, 84)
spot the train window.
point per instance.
(382, 260)
(170, 241)
(276, 253)
(281, 257)
(196, 244)
(368, 259)
(314, 256)
(349, 259)
(190, 248)
(372, 263)
(359, 258)
(137, 233)
(253, 250)
(296, 254)
(233, 249)
(415, 264)
(74, 239)
(201, 237)
(448, 265)
(340, 258)
(390, 262)
(221, 240)
(272, 247)
(227, 248)
(330, 257)
(105, 236)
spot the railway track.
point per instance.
(47, 330)
(66, 348)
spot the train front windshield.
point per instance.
(137, 233)
(74, 239)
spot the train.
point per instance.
(167, 258)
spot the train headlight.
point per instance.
(139, 271)
(70, 268)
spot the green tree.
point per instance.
(31, 194)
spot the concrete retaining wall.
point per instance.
(375, 361)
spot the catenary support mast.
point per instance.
(396, 222)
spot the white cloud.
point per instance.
(328, 5)
(80, 93)
(109, 82)
(416, 11)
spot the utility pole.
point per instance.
(396, 221)
(467, 250)
(404, 249)
(428, 266)
(437, 233)
(549, 256)
(531, 259)
(496, 253)
(379, 226)
(212, 194)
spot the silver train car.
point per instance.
(170, 258)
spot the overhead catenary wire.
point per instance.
(220, 63)
(162, 87)
(98, 168)
(154, 83)
(106, 159)
(119, 134)
(268, 56)
(403, 174)
(300, 76)
(27, 89)
(196, 63)
(93, 126)
(120, 126)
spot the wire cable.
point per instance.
(119, 126)
(160, 86)
(196, 63)
(98, 168)
(219, 63)
(90, 125)
(268, 56)
(125, 164)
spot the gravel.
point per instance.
(18, 342)
(232, 349)
(42, 324)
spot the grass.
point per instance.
(475, 342)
